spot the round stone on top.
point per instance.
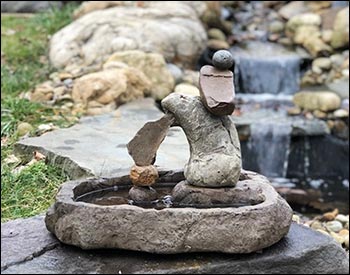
(223, 60)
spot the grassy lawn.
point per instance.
(24, 63)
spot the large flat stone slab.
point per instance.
(97, 145)
(301, 251)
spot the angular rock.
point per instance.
(97, 145)
(217, 90)
(324, 101)
(143, 175)
(143, 147)
(215, 159)
(171, 230)
(243, 194)
(172, 29)
(340, 38)
(307, 252)
(154, 68)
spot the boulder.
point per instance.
(340, 38)
(152, 65)
(324, 101)
(172, 29)
(110, 86)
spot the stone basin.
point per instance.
(241, 229)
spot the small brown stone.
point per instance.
(217, 90)
(143, 175)
(143, 147)
(330, 216)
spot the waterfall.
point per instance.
(271, 144)
(266, 68)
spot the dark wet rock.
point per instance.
(142, 194)
(215, 159)
(266, 68)
(29, 6)
(222, 60)
(101, 143)
(301, 251)
(143, 147)
(217, 90)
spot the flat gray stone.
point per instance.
(301, 251)
(97, 145)
(24, 239)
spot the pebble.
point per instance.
(296, 219)
(330, 216)
(322, 63)
(24, 128)
(339, 239)
(346, 242)
(317, 225)
(215, 44)
(340, 113)
(319, 114)
(294, 111)
(186, 89)
(334, 226)
(223, 60)
(216, 34)
(342, 218)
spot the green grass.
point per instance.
(24, 64)
(29, 192)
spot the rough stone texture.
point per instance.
(97, 145)
(152, 65)
(24, 239)
(301, 251)
(142, 194)
(28, 6)
(143, 147)
(110, 86)
(172, 29)
(291, 9)
(217, 90)
(324, 101)
(143, 175)
(215, 159)
(241, 194)
(340, 38)
(171, 230)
